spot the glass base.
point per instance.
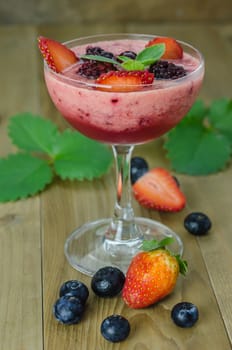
(87, 249)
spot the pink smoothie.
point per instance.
(124, 117)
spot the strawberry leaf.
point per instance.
(32, 133)
(183, 265)
(195, 150)
(201, 143)
(22, 175)
(220, 116)
(154, 244)
(78, 157)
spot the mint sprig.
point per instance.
(45, 152)
(143, 59)
(201, 143)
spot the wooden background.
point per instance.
(33, 231)
(76, 11)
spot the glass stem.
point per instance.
(122, 226)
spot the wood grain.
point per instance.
(33, 231)
(20, 247)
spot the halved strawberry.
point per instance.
(57, 55)
(157, 189)
(124, 81)
(173, 49)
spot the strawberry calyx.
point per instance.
(151, 245)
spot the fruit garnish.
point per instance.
(157, 189)
(93, 69)
(107, 281)
(115, 328)
(185, 314)
(152, 274)
(68, 310)
(124, 81)
(141, 61)
(74, 288)
(139, 167)
(167, 70)
(173, 50)
(197, 224)
(57, 55)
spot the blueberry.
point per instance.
(75, 289)
(197, 224)
(115, 328)
(108, 281)
(185, 314)
(139, 167)
(68, 310)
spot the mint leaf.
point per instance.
(132, 65)
(100, 59)
(220, 116)
(78, 157)
(151, 54)
(197, 150)
(32, 133)
(22, 175)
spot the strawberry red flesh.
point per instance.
(173, 50)
(157, 189)
(124, 81)
(150, 277)
(57, 55)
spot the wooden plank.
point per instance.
(67, 205)
(20, 250)
(211, 194)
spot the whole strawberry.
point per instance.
(152, 274)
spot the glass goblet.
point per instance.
(121, 119)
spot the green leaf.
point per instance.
(220, 116)
(153, 244)
(196, 150)
(197, 113)
(183, 265)
(151, 54)
(78, 157)
(100, 59)
(23, 175)
(132, 65)
(32, 133)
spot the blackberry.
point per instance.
(98, 51)
(93, 69)
(94, 50)
(166, 70)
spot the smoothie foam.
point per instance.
(124, 117)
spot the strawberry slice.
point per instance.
(57, 55)
(157, 189)
(173, 49)
(124, 81)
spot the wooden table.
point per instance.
(33, 231)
